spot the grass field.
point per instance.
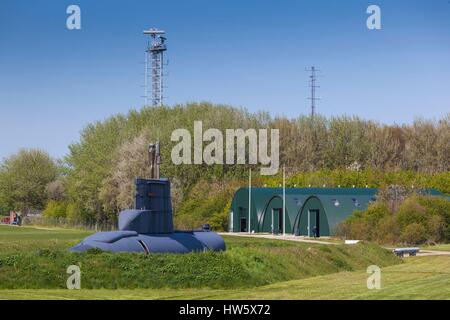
(33, 263)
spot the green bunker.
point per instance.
(311, 212)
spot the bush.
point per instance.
(411, 211)
(387, 230)
(55, 209)
(360, 229)
(373, 178)
(414, 233)
(418, 219)
(71, 211)
(375, 212)
(438, 206)
(207, 202)
(219, 220)
(436, 229)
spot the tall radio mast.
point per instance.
(312, 84)
(154, 62)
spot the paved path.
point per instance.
(277, 237)
(421, 253)
(424, 253)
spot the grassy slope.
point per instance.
(438, 247)
(418, 278)
(38, 259)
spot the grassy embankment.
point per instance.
(417, 278)
(38, 258)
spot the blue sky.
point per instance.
(249, 53)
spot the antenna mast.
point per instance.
(154, 62)
(154, 157)
(313, 86)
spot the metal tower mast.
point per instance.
(313, 86)
(154, 62)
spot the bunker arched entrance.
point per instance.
(312, 220)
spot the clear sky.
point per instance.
(250, 53)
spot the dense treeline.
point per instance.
(111, 153)
(408, 218)
(346, 151)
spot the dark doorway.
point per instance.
(317, 224)
(314, 222)
(280, 220)
(277, 221)
(243, 225)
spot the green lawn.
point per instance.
(33, 263)
(13, 238)
(418, 278)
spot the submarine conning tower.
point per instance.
(148, 228)
(152, 211)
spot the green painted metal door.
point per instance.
(277, 221)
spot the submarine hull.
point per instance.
(131, 241)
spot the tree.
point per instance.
(414, 233)
(23, 179)
(315, 151)
(132, 161)
(417, 219)
(56, 190)
(421, 148)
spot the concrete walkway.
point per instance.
(276, 237)
(424, 253)
(421, 253)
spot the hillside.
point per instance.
(418, 278)
(247, 263)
